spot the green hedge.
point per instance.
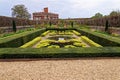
(19, 39)
(60, 29)
(11, 53)
(102, 39)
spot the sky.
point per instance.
(65, 8)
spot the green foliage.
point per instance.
(54, 46)
(61, 23)
(44, 43)
(75, 40)
(115, 34)
(106, 26)
(20, 11)
(114, 13)
(102, 39)
(19, 39)
(45, 33)
(98, 15)
(79, 44)
(61, 41)
(72, 24)
(50, 24)
(31, 43)
(10, 53)
(18, 32)
(41, 45)
(90, 42)
(69, 46)
(47, 41)
(76, 33)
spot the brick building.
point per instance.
(45, 15)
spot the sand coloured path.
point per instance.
(70, 69)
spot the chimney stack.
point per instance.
(46, 10)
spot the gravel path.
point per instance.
(58, 69)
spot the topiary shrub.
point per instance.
(45, 33)
(79, 44)
(54, 46)
(106, 26)
(14, 26)
(31, 43)
(69, 46)
(90, 42)
(76, 33)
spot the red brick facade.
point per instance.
(45, 15)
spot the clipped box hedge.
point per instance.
(19, 39)
(12, 53)
(102, 39)
(60, 29)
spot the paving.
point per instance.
(61, 69)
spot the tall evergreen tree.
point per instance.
(106, 26)
(14, 26)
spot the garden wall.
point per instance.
(114, 21)
(7, 21)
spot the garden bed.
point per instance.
(37, 44)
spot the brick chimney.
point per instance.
(46, 10)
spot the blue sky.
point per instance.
(65, 8)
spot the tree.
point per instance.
(97, 15)
(50, 23)
(14, 25)
(106, 26)
(20, 11)
(72, 24)
(113, 13)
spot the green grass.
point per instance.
(103, 39)
(18, 32)
(19, 39)
(4, 39)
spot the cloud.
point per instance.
(65, 8)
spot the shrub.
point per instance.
(18, 40)
(106, 26)
(115, 34)
(10, 53)
(31, 43)
(52, 33)
(79, 44)
(54, 46)
(75, 40)
(102, 39)
(61, 41)
(90, 42)
(14, 25)
(45, 33)
(69, 46)
(47, 41)
(68, 33)
(76, 33)
(42, 45)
